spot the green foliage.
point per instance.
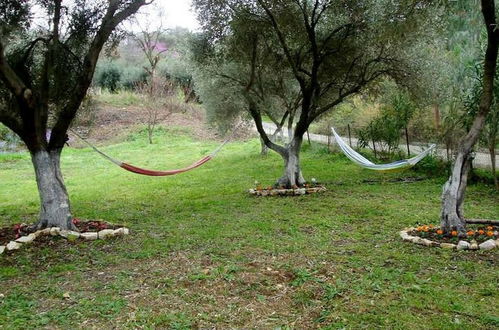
(397, 109)
(432, 166)
(384, 131)
(131, 76)
(108, 77)
(13, 16)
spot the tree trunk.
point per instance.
(149, 133)
(436, 114)
(492, 152)
(407, 142)
(292, 175)
(290, 127)
(349, 136)
(452, 217)
(273, 138)
(265, 149)
(55, 207)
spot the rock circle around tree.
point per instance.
(480, 238)
(14, 238)
(313, 188)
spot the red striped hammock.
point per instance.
(143, 171)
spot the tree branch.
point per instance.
(111, 20)
(259, 127)
(13, 82)
(282, 41)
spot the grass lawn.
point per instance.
(203, 253)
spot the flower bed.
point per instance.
(286, 192)
(480, 238)
(13, 238)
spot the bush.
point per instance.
(385, 130)
(433, 166)
(108, 77)
(132, 76)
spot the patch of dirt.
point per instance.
(11, 233)
(112, 125)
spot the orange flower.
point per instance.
(490, 233)
(453, 233)
(425, 228)
(490, 228)
(481, 232)
(440, 232)
(432, 226)
(419, 228)
(470, 233)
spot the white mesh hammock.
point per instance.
(360, 160)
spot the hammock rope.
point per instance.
(143, 171)
(365, 163)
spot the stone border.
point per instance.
(68, 234)
(461, 245)
(287, 192)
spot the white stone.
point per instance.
(409, 238)
(2, 249)
(427, 242)
(118, 232)
(45, 231)
(70, 235)
(404, 235)
(463, 245)
(26, 239)
(89, 236)
(487, 245)
(54, 231)
(448, 245)
(13, 246)
(252, 191)
(416, 239)
(105, 233)
(126, 231)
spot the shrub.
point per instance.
(108, 76)
(132, 76)
(431, 165)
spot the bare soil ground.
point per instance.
(111, 124)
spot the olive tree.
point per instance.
(45, 72)
(330, 49)
(452, 216)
